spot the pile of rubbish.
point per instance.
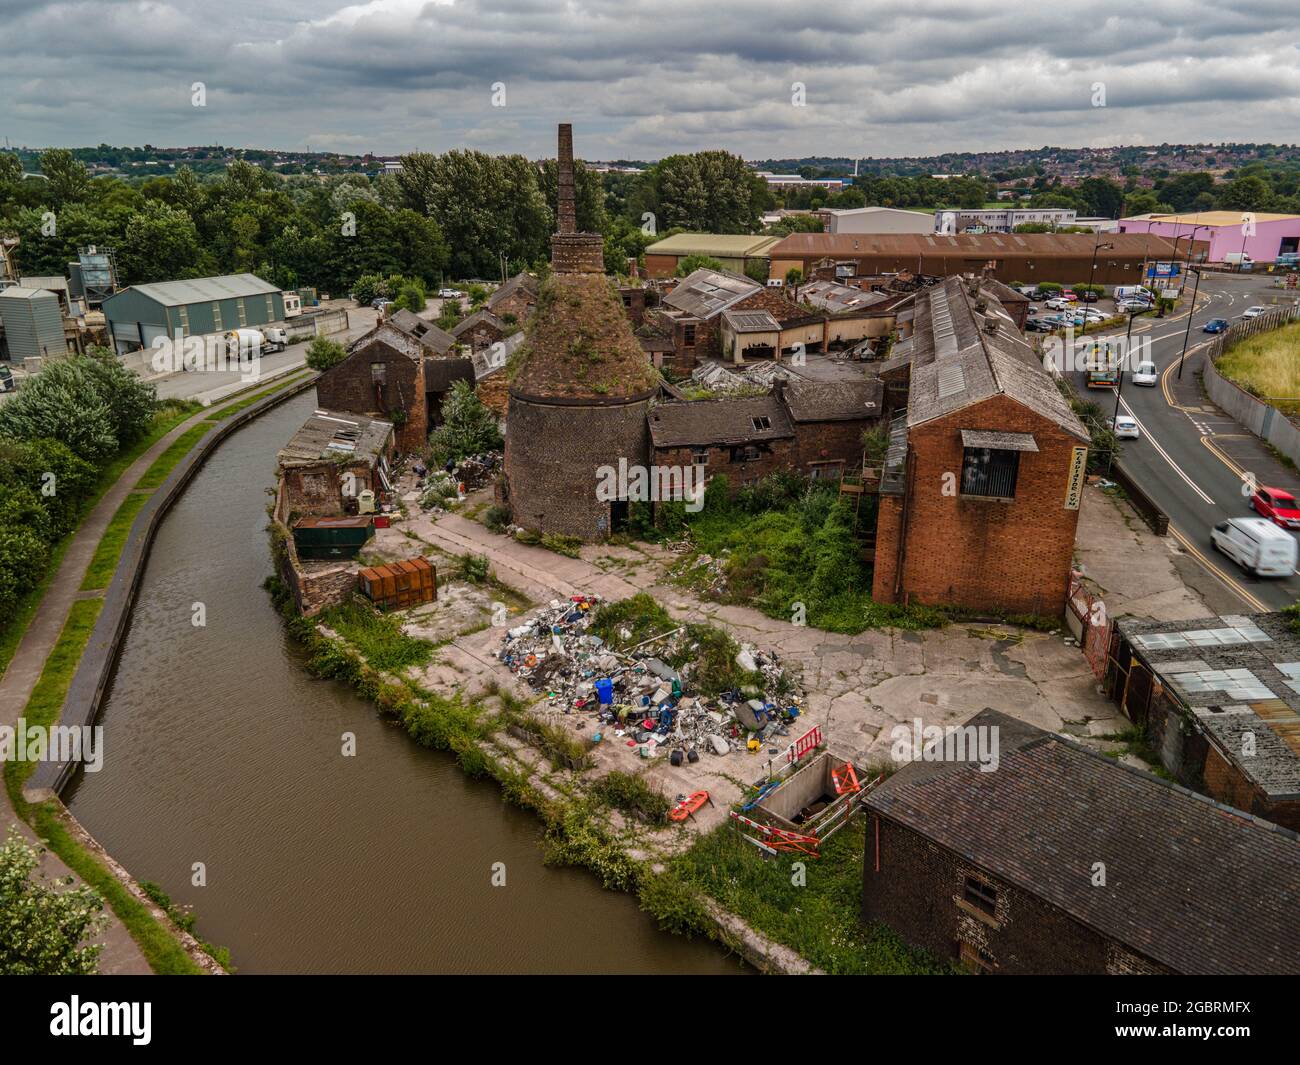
(717, 378)
(637, 699)
(477, 471)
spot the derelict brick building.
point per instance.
(982, 484)
(579, 390)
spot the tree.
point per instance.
(1250, 193)
(468, 428)
(66, 174)
(44, 927)
(793, 276)
(131, 403)
(688, 264)
(706, 192)
(324, 353)
(757, 270)
(63, 403)
(161, 243)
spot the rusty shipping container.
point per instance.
(400, 584)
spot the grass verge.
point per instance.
(167, 419)
(248, 401)
(164, 954)
(1267, 365)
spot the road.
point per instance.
(1193, 459)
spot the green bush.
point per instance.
(469, 427)
(324, 353)
(496, 518)
(378, 637)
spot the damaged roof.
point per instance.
(719, 422)
(1190, 883)
(429, 335)
(524, 282)
(331, 435)
(480, 317)
(843, 299)
(706, 293)
(824, 401)
(1235, 674)
(957, 363)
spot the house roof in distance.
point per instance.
(426, 332)
(524, 282)
(1190, 883)
(1212, 218)
(705, 293)
(719, 245)
(1000, 246)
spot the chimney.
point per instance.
(566, 214)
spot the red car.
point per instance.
(1277, 505)
(1068, 294)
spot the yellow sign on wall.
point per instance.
(1074, 485)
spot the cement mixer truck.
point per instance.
(251, 342)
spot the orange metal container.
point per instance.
(400, 584)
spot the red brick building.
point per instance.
(1063, 861)
(515, 299)
(480, 331)
(981, 489)
(383, 377)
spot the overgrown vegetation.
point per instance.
(819, 920)
(324, 353)
(185, 919)
(378, 637)
(469, 427)
(632, 795)
(1266, 365)
(791, 547)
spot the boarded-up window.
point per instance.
(989, 472)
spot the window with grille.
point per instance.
(688, 336)
(700, 455)
(989, 472)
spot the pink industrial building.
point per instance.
(1260, 236)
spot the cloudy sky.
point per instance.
(644, 78)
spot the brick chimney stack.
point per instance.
(572, 252)
(567, 215)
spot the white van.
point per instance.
(1257, 545)
(1133, 292)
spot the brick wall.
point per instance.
(830, 442)
(316, 586)
(481, 337)
(775, 455)
(919, 892)
(317, 491)
(350, 386)
(985, 554)
(660, 265)
(633, 297)
(494, 391)
(520, 303)
(553, 453)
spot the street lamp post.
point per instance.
(1187, 336)
(1119, 384)
(1091, 272)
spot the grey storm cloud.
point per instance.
(644, 78)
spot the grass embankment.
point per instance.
(12, 628)
(1267, 366)
(815, 913)
(109, 550)
(160, 948)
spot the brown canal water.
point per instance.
(221, 749)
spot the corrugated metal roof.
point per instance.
(751, 322)
(707, 292)
(205, 289)
(972, 245)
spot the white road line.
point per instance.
(1163, 453)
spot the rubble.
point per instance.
(717, 378)
(636, 697)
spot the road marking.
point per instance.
(1206, 440)
(1196, 553)
(1164, 454)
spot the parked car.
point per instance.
(1134, 306)
(1146, 374)
(450, 294)
(1256, 545)
(1068, 294)
(1086, 313)
(1089, 297)
(1215, 325)
(1126, 428)
(1278, 505)
(380, 302)
(1058, 303)
(1253, 312)
(7, 382)
(1040, 325)
(1134, 292)
(1029, 292)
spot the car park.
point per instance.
(1146, 374)
(1257, 545)
(1253, 312)
(1125, 428)
(1278, 505)
(1215, 325)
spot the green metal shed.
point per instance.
(138, 315)
(33, 322)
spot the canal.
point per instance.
(221, 750)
